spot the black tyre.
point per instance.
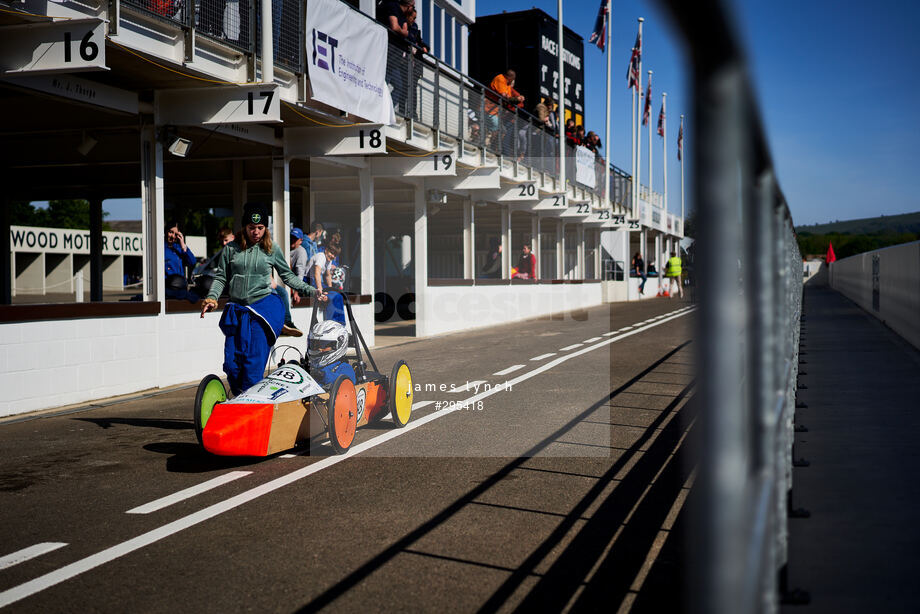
(384, 307)
(405, 306)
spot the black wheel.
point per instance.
(211, 391)
(343, 414)
(400, 393)
(405, 306)
(384, 307)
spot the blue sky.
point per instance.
(837, 83)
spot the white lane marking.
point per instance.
(510, 369)
(542, 356)
(187, 493)
(288, 456)
(421, 404)
(591, 340)
(467, 387)
(567, 348)
(16, 593)
(21, 556)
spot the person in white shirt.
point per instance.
(319, 267)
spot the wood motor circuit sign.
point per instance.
(73, 241)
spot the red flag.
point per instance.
(648, 102)
(661, 121)
(680, 140)
(830, 253)
(632, 73)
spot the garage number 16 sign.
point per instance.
(70, 45)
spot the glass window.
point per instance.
(448, 39)
(436, 39)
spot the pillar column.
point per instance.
(535, 241)
(581, 273)
(366, 184)
(469, 266)
(239, 192)
(560, 249)
(6, 259)
(420, 258)
(154, 217)
(506, 241)
(281, 203)
(598, 273)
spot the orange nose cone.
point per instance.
(238, 429)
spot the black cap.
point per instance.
(255, 213)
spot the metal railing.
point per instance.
(424, 89)
(429, 92)
(236, 23)
(748, 271)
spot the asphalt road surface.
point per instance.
(558, 494)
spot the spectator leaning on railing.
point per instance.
(502, 91)
(392, 14)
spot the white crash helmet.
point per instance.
(327, 342)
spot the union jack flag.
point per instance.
(661, 121)
(632, 72)
(680, 140)
(599, 35)
(647, 111)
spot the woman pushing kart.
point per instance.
(254, 316)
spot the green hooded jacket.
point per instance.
(247, 274)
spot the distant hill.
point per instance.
(857, 236)
(885, 224)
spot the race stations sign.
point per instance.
(347, 61)
(70, 45)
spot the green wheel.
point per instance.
(211, 391)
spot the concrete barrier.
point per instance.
(886, 283)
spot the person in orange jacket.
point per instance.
(503, 86)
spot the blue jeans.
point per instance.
(283, 295)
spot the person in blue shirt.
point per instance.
(178, 256)
(311, 241)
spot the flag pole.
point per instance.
(607, 148)
(649, 103)
(632, 150)
(664, 151)
(561, 102)
(638, 185)
(682, 175)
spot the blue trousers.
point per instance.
(250, 333)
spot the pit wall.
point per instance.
(886, 283)
(51, 363)
(446, 309)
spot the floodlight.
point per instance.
(179, 146)
(86, 145)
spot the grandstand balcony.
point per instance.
(181, 44)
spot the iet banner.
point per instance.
(347, 61)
